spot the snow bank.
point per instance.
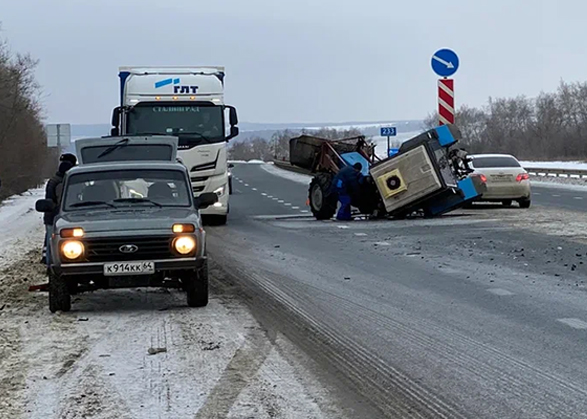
(286, 174)
(20, 225)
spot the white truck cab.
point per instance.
(187, 103)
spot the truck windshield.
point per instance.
(119, 188)
(193, 124)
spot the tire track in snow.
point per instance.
(237, 375)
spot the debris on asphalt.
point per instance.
(155, 351)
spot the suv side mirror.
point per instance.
(44, 205)
(114, 132)
(206, 199)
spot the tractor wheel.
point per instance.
(322, 201)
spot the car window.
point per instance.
(496, 162)
(161, 187)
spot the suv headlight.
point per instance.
(184, 245)
(72, 249)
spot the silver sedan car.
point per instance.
(506, 179)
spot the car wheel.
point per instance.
(507, 203)
(59, 297)
(196, 286)
(524, 203)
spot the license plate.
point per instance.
(502, 178)
(129, 268)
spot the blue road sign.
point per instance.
(445, 62)
(392, 151)
(388, 131)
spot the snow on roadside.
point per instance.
(286, 174)
(569, 165)
(560, 183)
(20, 224)
(136, 353)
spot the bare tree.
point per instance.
(24, 158)
(550, 126)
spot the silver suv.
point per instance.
(126, 224)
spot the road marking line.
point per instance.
(295, 207)
(343, 227)
(269, 196)
(287, 204)
(281, 201)
(304, 211)
(382, 244)
(500, 291)
(556, 196)
(275, 199)
(246, 184)
(360, 234)
(263, 193)
(254, 189)
(574, 323)
(578, 197)
(536, 193)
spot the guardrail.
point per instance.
(562, 173)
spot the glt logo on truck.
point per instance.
(176, 89)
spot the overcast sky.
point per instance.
(301, 60)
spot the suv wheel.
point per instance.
(59, 297)
(524, 203)
(196, 286)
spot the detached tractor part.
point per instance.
(322, 201)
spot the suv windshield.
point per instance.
(495, 162)
(141, 187)
(193, 124)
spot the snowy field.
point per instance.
(137, 353)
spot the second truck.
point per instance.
(186, 102)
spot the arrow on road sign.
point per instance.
(448, 64)
(445, 62)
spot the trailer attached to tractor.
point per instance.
(429, 175)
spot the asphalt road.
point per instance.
(571, 199)
(462, 316)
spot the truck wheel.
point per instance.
(59, 297)
(322, 202)
(196, 286)
(230, 185)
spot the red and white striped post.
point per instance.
(446, 101)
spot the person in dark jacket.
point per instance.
(53, 192)
(346, 184)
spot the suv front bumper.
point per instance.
(161, 266)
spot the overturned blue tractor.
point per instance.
(429, 175)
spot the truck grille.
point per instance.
(108, 249)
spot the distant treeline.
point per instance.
(24, 157)
(552, 126)
(258, 148)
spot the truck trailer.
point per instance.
(187, 103)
